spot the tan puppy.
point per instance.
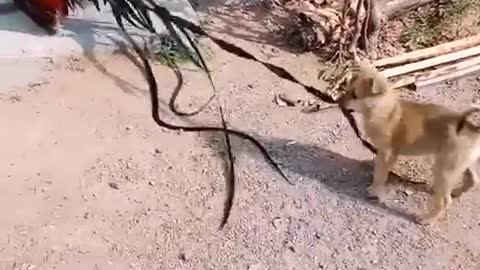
(400, 127)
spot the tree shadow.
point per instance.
(303, 162)
(257, 24)
(88, 34)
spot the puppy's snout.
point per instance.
(344, 102)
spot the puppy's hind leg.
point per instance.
(470, 179)
(441, 199)
(383, 163)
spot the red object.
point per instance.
(48, 14)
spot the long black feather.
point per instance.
(136, 12)
(230, 178)
(153, 87)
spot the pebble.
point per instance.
(408, 192)
(184, 256)
(152, 183)
(257, 266)
(113, 185)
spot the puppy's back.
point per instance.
(424, 127)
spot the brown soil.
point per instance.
(90, 182)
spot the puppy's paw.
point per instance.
(456, 193)
(426, 220)
(378, 193)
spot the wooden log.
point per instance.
(473, 61)
(404, 82)
(429, 52)
(442, 59)
(453, 75)
(428, 75)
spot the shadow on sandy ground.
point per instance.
(303, 162)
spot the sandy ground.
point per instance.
(88, 181)
(70, 142)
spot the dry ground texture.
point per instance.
(88, 181)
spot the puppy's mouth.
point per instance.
(346, 107)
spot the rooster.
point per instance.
(48, 14)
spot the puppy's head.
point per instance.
(464, 124)
(365, 84)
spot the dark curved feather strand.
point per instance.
(173, 32)
(134, 10)
(166, 18)
(125, 10)
(176, 91)
(153, 87)
(118, 11)
(279, 71)
(230, 178)
(138, 13)
(198, 53)
(354, 126)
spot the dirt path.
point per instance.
(89, 182)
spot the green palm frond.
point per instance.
(138, 14)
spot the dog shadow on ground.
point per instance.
(304, 162)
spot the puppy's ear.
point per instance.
(354, 77)
(363, 86)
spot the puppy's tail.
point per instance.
(463, 122)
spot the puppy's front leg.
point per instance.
(383, 163)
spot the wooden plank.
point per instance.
(429, 52)
(453, 75)
(428, 75)
(442, 59)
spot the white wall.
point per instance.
(83, 32)
(25, 48)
